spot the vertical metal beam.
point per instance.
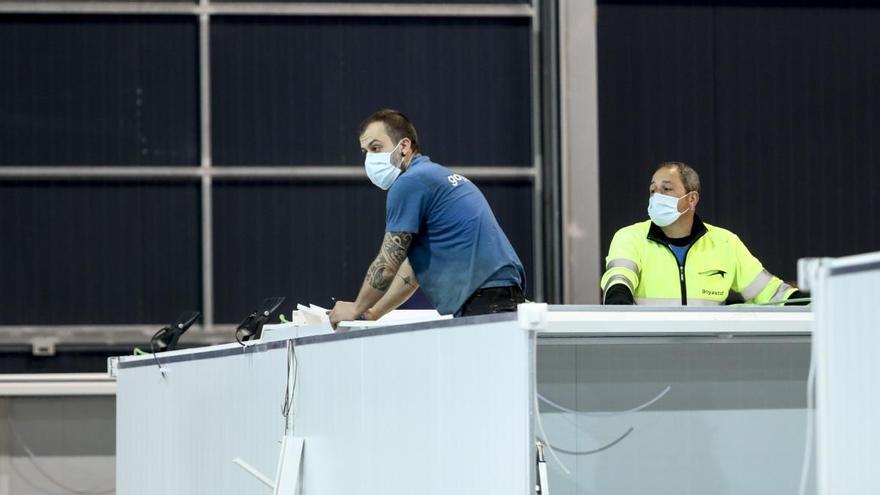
(537, 162)
(205, 169)
(550, 163)
(579, 118)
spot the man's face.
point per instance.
(375, 139)
(667, 181)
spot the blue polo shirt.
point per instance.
(458, 245)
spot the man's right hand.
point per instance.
(343, 311)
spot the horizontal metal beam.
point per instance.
(37, 7)
(357, 172)
(340, 9)
(99, 172)
(305, 172)
(372, 9)
(106, 335)
(60, 384)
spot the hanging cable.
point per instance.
(606, 413)
(153, 350)
(533, 335)
(808, 435)
(32, 457)
(290, 385)
(594, 451)
(29, 482)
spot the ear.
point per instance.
(695, 198)
(405, 147)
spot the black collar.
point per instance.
(656, 234)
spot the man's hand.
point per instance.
(343, 311)
(379, 278)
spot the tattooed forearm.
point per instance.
(376, 277)
(391, 255)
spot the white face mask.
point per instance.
(663, 209)
(380, 170)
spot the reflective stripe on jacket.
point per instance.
(716, 263)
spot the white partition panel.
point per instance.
(431, 409)
(731, 420)
(848, 373)
(445, 407)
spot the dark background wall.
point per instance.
(98, 90)
(292, 90)
(123, 91)
(776, 104)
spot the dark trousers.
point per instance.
(492, 300)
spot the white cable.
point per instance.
(604, 413)
(29, 482)
(290, 387)
(45, 474)
(534, 336)
(592, 451)
(808, 436)
(546, 443)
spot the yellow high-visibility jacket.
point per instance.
(716, 263)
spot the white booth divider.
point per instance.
(632, 401)
(846, 346)
(725, 391)
(433, 408)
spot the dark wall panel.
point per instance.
(98, 90)
(775, 105)
(798, 123)
(292, 90)
(21, 359)
(309, 241)
(656, 103)
(98, 253)
(305, 241)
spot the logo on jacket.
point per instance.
(710, 273)
(720, 293)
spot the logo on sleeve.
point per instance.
(456, 179)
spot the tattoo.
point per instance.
(406, 280)
(394, 248)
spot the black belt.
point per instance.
(513, 291)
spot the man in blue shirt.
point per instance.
(440, 234)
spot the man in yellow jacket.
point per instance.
(675, 259)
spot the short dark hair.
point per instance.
(397, 125)
(689, 177)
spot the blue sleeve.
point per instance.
(405, 205)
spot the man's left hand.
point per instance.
(343, 311)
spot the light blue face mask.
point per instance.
(663, 209)
(380, 170)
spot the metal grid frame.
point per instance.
(204, 10)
